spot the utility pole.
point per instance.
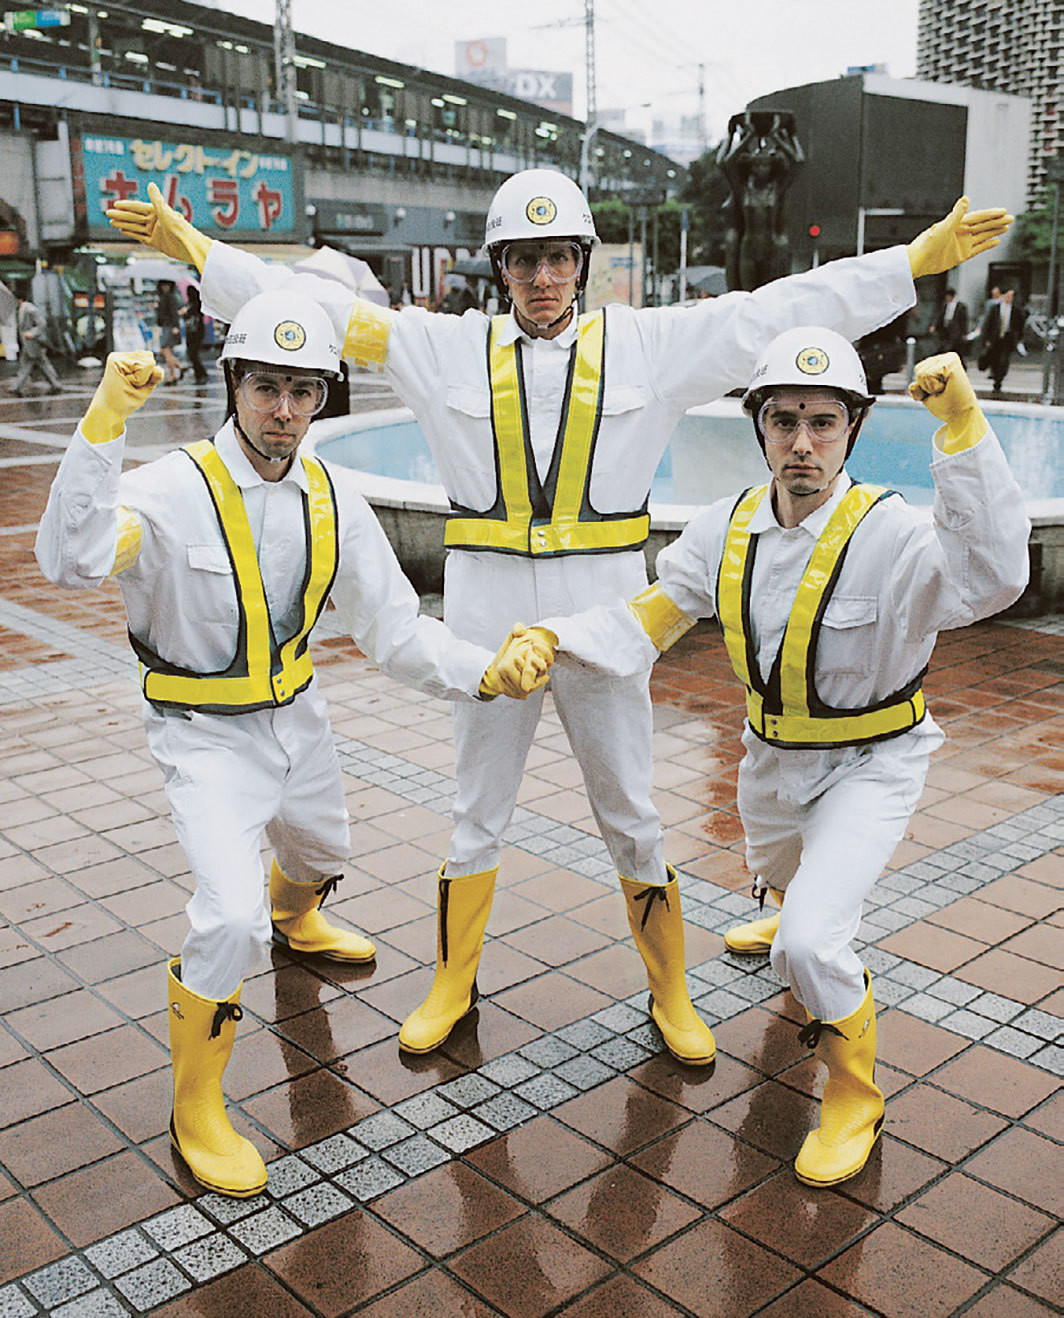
(284, 60)
(590, 124)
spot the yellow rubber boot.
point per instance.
(657, 927)
(462, 908)
(851, 1111)
(756, 935)
(299, 926)
(201, 1039)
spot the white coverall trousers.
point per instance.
(608, 720)
(825, 854)
(227, 779)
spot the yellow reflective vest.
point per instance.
(785, 710)
(262, 673)
(554, 516)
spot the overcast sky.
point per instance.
(645, 53)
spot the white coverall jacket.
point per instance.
(659, 362)
(230, 776)
(822, 823)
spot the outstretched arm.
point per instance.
(85, 534)
(957, 238)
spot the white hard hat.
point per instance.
(284, 329)
(811, 356)
(539, 203)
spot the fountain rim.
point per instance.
(430, 497)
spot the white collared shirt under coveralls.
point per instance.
(659, 363)
(230, 776)
(822, 823)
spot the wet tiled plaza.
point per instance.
(551, 1159)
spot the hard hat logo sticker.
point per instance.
(812, 361)
(290, 335)
(541, 210)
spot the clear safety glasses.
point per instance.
(825, 420)
(523, 261)
(306, 394)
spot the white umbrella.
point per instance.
(350, 271)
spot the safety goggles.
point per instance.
(825, 420)
(523, 261)
(306, 394)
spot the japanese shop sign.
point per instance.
(224, 191)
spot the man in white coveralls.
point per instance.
(830, 594)
(226, 552)
(546, 427)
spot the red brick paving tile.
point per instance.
(1024, 896)
(556, 940)
(335, 1267)
(620, 1295)
(622, 1213)
(771, 1117)
(803, 1224)
(389, 1076)
(336, 1028)
(913, 1046)
(1039, 778)
(73, 1016)
(810, 1075)
(27, 1241)
(1010, 975)
(617, 971)
(991, 1079)
(964, 810)
(934, 833)
(1025, 1165)
(56, 1143)
(447, 1209)
(987, 1228)
(1040, 943)
(1046, 869)
(811, 1300)
(893, 1172)
(726, 868)
(1049, 1118)
(309, 1108)
(940, 1124)
(930, 945)
(140, 1108)
(551, 1001)
(95, 1202)
(621, 1116)
(529, 1268)
(539, 1160)
(716, 1273)
(1007, 1302)
(30, 1088)
(1008, 796)
(704, 1163)
(696, 1088)
(10, 1049)
(108, 1059)
(761, 1039)
(432, 1295)
(606, 915)
(1042, 1272)
(249, 1292)
(980, 920)
(898, 1274)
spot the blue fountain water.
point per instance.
(713, 453)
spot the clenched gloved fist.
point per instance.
(522, 664)
(128, 379)
(158, 225)
(942, 385)
(960, 236)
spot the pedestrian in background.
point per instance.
(32, 345)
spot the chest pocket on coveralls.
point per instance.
(848, 634)
(473, 458)
(213, 594)
(619, 481)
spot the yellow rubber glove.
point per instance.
(942, 385)
(960, 236)
(522, 664)
(158, 225)
(128, 379)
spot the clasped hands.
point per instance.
(522, 664)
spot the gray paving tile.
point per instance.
(1014, 1042)
(1050, 1059)
(546, 1091)
(927, 1008)
(153, 1284)
(334, 1153)
(415, 1155)
(425, 1110)
(1041, 1023)
(968, 1024)
(586, 1072)
(995, 1007)
(370, 1178)
(721, 1004)
(468, 1090)
(265, 1231)
(505, 1112)
(60, 1281)
(318, 1203)
(583, 1035)
(954, 990)
(380, 1130)
(548, 1051)
(225, 1210)
(289, 1174)
(100, 1303)
(462, 1132)
(210, 1257)
(177, 1226)
(15, 1304)
(914, 976)
(509, 1070)
(120, 1253)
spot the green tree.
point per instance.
(705, 192)
(1033, 234)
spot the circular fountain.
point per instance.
(712, 454)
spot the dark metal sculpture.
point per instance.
(759, 158)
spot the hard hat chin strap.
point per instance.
(266, 457)
(536, 331)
